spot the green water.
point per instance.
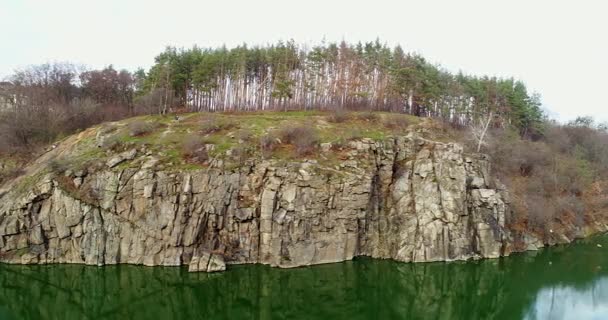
(567, 282)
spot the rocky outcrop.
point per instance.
(405, 198)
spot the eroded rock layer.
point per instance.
(405, 198)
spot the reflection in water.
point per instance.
(567, 302)
(554, 283)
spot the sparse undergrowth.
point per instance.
(557, 181)
(194, 139)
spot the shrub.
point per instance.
(244, 135)
(571, 206)
(214, 123)
(559, 139)
(580, 141)
(531, 155)
(58, 166)
(140, 128)
(368, 116)
(338, 116)
(353, 134)
(112, 143)
(194, 149)
(107, 128)
(396, 122)
(513, 156)
(548, 181)
(535, 187)
(541, 213)
(267, 144)
(240, 153)
(8, 174)
(573, 175)
(338, 145)
(303, 138)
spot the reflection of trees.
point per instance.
(509, 288)
(84, 292)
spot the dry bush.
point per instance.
(140, 128)
(581, 142)
(303, 138)
(541, 212)
(573, 175)
(396, 123)
(244, 135)
(559, 139)
(59, 165)
(213, 123)
(339, 145)
(112, 143)
(194, 149)
(107, 128)
(5, 146)
(354, 134)
(240, 153)
(155, 101)
(547, 177)
(513, 156)
(571, 206)
(553, 177)
(9, 174)
(339, 116)
(368, 116)
(547, 181)
(534, 187)
(267, 144)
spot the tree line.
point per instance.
(43, 102)
(363, 76)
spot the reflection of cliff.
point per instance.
(508, 288)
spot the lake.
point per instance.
(564, 282)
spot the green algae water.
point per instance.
(565, 282)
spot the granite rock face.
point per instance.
(405, 198)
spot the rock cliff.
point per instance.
(404, 198)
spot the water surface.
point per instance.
(566, 282)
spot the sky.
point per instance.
(558, 48)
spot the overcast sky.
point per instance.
(559, 48)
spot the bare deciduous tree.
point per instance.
(479, 130)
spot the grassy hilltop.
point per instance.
(193, 140)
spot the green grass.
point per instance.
(28, 182)
(165, 141)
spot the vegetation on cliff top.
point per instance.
(42, 103)
(194, 140)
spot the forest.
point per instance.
(43, 102)
(364, 76)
